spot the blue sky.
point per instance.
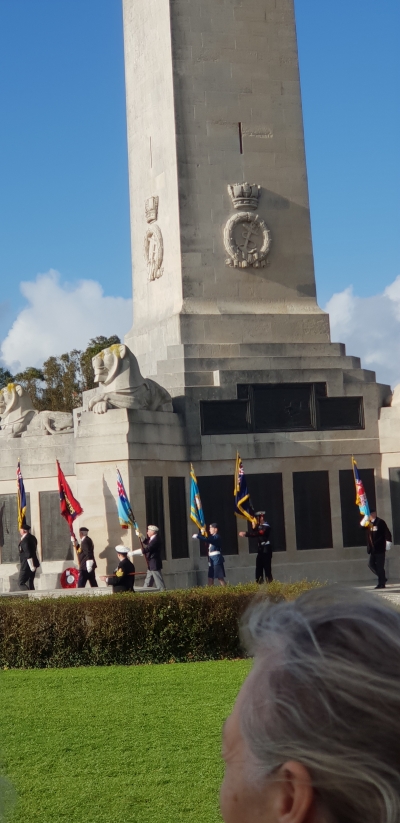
(63, 164)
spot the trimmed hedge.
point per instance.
(129, 629)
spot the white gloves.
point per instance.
(135, 551)
(388, 546)
(31, 564)
(195, 536)
(364, 521)
(89, 565)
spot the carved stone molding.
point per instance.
(247, 240)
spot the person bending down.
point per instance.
(216, 568)
(123, 578)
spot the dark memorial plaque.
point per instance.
(178, 517)
(312, 507)
(340, 413)
(394, 482)
(266, 494)
(154, 497)
(224, 416)
(353, 534)
(56, 537)
(217, 499)
(283, 407)
(9, 534)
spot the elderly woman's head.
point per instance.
(314, 736)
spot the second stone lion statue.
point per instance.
(122, 386)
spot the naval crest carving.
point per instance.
(247, 238)
(153, 245)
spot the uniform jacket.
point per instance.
(86, 552)
(215, 556)
(123, 575)
(152, 548)
(28, 551)
(262, 534)
(377, 535)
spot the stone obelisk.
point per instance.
(213, 103)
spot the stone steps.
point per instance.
(202, 364)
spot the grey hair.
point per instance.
(325, 691)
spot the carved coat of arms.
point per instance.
(153, 245)
(247, 238)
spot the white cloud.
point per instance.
(61, 317)
(370, 328)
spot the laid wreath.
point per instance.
(69, 578)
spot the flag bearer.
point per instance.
(216, 568)
(262, 533)
(86, 559)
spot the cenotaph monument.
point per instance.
(229, 350)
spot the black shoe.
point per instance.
(380, 587)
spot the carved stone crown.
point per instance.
(151, 209)
(244, 196)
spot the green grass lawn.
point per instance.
(117, 744)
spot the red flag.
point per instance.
(69, 506)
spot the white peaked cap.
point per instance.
(121, 550)
(152, 528)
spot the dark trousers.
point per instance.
(263, 566)
(85, 576)
(377, 566)
(25, 580)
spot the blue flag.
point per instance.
(125, 513)
(243, 506)
(196, 509)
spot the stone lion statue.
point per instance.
(122, 386)
(18, 416)
(16, 410)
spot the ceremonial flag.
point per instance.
(243, 506)
(69, 506)
(21, 499)
(361, 497)
(125, 513)
(196, 509)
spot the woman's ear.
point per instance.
(294, 798)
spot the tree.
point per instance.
(58, 386)
(5, 377)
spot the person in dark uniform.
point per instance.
(262, 533)
(216, 560)
(29, 560)
(86, 560)
(378, 536)
(123, 578)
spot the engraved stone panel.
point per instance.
(9, 534)
(56, 538)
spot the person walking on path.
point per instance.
(86, 560)
(379, 539)
(216, 568)
(262, 533)
(124, 576)
(28, 558)
(152, 547)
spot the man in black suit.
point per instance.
(28, 558)
(378, 535)
(86, 560)
(152, 547)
